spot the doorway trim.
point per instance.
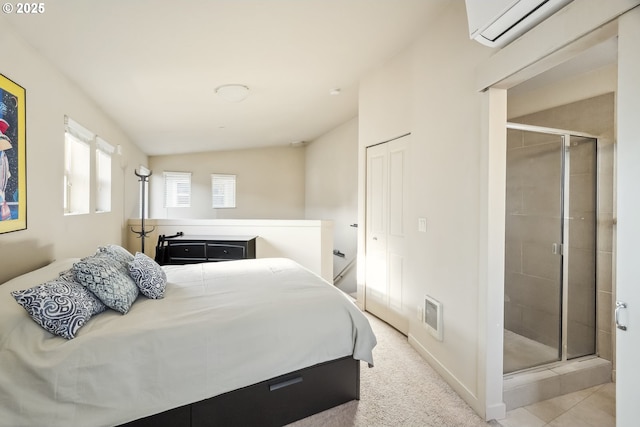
(556, 40)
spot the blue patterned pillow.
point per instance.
(148, 275)
(116, 252)
(59, 306)
(67, 275)
(108, 280)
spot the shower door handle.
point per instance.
(556, 248)
(619, 306)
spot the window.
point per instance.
(103, 175)
(77, 161)
(177, 189)
(223, 191)
(78, 175)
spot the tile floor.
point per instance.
(591, 407)
(543, 383)
(521, 352)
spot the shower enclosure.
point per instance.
(550, 246)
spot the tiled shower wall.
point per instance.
(593, 116)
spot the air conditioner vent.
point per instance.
(496, 23)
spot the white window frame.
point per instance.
(177, 189)
(223, 191)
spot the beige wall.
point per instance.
(269, 183)
(51, 235)
(428, 90)
(331, 192)
(432, 89)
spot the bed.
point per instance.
(248, 342)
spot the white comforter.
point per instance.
(221, 326)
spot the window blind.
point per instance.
(76, 175)
(223, 191)
(177, 189)
(78, 131)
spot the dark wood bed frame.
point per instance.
(276, 402)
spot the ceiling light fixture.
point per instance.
(233, 92)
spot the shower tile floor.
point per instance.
(591, 407)
(522, 353)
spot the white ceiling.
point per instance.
(153, 65)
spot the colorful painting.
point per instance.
(13, 162)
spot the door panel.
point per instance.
(396, 206)
(377, 216)
(376, 231)
(385, 231)
(581, 243)
(396, 280)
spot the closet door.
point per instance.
(385, 231)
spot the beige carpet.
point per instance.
(402, 390)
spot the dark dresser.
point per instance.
(193, 249)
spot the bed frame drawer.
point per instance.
(276, 402)
(178, 417)
(284, 399)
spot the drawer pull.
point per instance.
(283, 384)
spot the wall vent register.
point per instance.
(433, 317)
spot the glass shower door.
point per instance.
(533, 249)
(580, 256)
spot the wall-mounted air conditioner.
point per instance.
(496, 23)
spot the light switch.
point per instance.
(422, 225)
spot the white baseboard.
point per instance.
(467, 395)
(496, 412)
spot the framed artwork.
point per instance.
(13, 153)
